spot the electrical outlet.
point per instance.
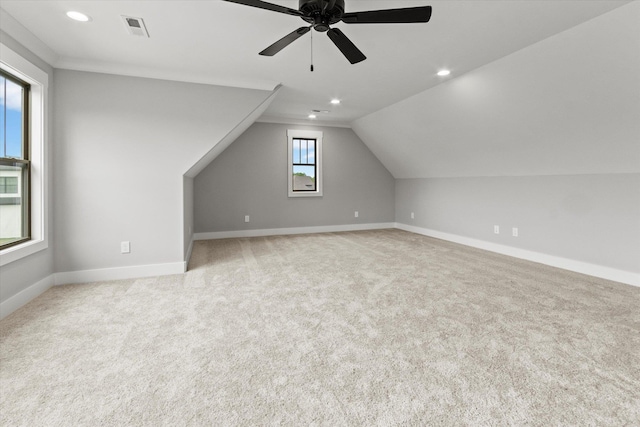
(496, 229)
(514, 231)
(413, 215)
(355, 214)
(246, 218)
(125, 247)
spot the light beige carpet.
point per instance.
(377, 328)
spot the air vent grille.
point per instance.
(135, 26)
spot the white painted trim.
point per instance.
(305, 122)
(119, 273)
(179, 75)
(608, 273)
(19, 32)
(22, 68)
(295, 230)
(26, 295)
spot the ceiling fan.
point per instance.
(321, 14)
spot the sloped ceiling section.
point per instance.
(230, 137)
(566, 105)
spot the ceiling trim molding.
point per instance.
(155, 73)
(26, 38)
(302, 122)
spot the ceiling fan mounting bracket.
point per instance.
(321, 13)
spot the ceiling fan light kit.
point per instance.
(321, 14)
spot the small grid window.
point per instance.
(304, 164)
(304, 168)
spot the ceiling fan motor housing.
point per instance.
(321, 13)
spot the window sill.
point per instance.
(309, 194)
(23, 250)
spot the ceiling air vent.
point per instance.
(135, 26)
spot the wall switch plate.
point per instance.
(355, 214)
(125, 247)
(496, 229)
(412, 215)
(514, 231)
(246, 218)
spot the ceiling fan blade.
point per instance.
(285, 41)
(267, 6)
(389, 16)
(348, 49)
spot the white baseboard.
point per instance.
(21, 298)
(119, 273)
(602, 272)
(294, 230)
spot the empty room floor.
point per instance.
(364, 328)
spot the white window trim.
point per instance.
(18, 66)
(309, 134)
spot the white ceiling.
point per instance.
(218, 42)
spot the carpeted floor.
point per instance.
(374, 328)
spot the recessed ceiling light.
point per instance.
(77, 16)
(335, 101)
(312, 116)
(443, 73)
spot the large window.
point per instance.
(14, 160)
(304, 163)
(23, 157)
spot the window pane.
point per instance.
(303, 146)
(13, 203)
(296, 151)
(311, 154)
(3, 107)
(12, 95)
(304, 178)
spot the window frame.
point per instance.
(24, 189)
(20, 67)
(304, 134)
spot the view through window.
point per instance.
(14, 160)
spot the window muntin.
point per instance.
(304, 168)
(15, 224)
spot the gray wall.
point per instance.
(250, 178)
(589, 218)
(546, 139)
(187, 193)
(122, 147)
(19, 275)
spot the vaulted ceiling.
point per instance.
(218, 42)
